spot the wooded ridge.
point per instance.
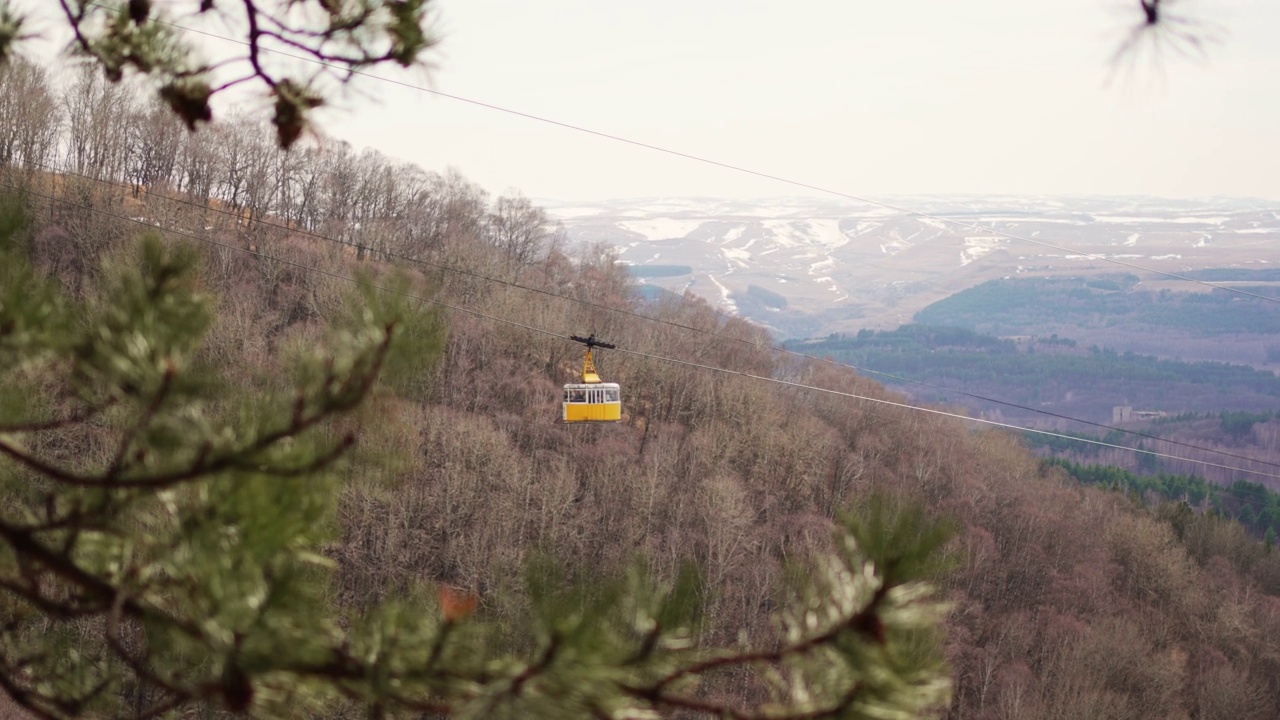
(453, 471)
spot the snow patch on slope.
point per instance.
(736, 255)
(822, 265)
(975, 246)
(821, 232)
(662, 228)
(726, 297)
(863, 227)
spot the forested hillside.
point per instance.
(1045, 382)
(1055, 371)
(1014, 306)
(1066, 601)
(1153, 316)
(1255, 507)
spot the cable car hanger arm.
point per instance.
(591, 341)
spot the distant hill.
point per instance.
(1192, 323)
(1105, 306)
(843, 266)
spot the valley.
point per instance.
(807, 267)
(1047, 313)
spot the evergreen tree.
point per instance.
(163, 542)
(339, 38)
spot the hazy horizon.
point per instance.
(987, 97)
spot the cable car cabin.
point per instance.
(592, 402)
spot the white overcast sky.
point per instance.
(868, 98)
(874, 98)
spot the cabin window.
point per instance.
(611, 394)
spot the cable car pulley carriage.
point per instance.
(592, 400)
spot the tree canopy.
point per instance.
(164, 544)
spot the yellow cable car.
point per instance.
(592, 400)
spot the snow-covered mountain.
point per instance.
(807, 267)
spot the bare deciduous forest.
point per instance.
(1066, 601)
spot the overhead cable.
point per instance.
(737, 168)
(631, 313)
(709, 368)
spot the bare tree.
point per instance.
(518, 228)
(194, 174)
(29, 116)
(97, 115)
(154, 139)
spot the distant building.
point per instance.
(1125, 413)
